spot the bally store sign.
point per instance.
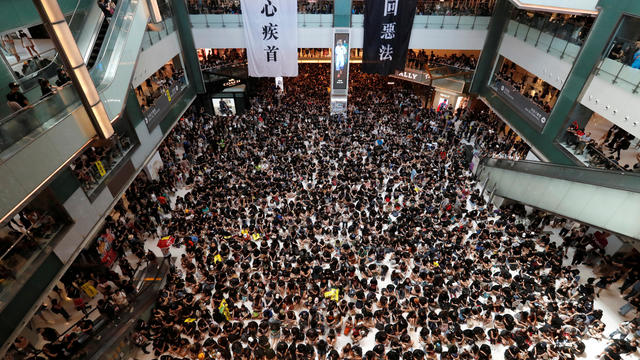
(416, 76)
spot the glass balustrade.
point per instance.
(24, 238)
(545, 39)
(621, 60)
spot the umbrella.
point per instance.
(165, 242)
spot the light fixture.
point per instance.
(61, 35)
(52, 10)
(85, 82)
(68, 43)
(154, 10)
(101, 121)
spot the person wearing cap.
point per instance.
(16, 99)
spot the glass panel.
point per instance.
(610, 179)
(358, 20)
(482, 22)
(559, 35)
(100, 159)
(438, 7)
(621, 61)
(153, 37)
(230, 20)
(23, 238)
(111, 49)
(40, 116)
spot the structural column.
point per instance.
(491, 46)
(588, 58)
(189, 51)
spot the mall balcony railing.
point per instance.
(437, 7)
(304, 7)
(153, 37)
(458, 22)
(235, 20)
(589, 153)
(84, 23)
(29, 123)
(20, 251)
(444, 22)
(619, 74)
(552, 39)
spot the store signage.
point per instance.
(412, 75)
(231, 82)
(527, 108)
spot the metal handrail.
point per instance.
(37, 352)
(39, 222)
(620, 180)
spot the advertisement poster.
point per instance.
(340, 61)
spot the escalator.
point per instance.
(55, 129)
(609, 200)
(98, 44)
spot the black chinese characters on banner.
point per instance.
(387, 31)
(270, 31)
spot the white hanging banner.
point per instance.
(271, 34)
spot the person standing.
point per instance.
(623, 144)
(636, 56)
(9, 44)
(15, 98)
(57, 308)
(27, 43)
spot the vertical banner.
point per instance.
(340, 60)
(271, 34)
(387, 31)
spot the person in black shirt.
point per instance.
(63, 78)
(15, 96)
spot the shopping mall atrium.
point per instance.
(320, 179)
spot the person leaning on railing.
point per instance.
(16, 100)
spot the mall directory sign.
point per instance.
(529, 110)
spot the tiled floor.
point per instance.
(598, 126)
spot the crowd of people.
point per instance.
(368, 240)
(157, 85)
(212, 59)
(571, 28)
(438, 8)
(626, 52)
(419, 59)
(380, 211)
(443, 8)
(604, 152)
(20, 238)
(545, 99)
(91, 167)
(305, 235)
(233, 6)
